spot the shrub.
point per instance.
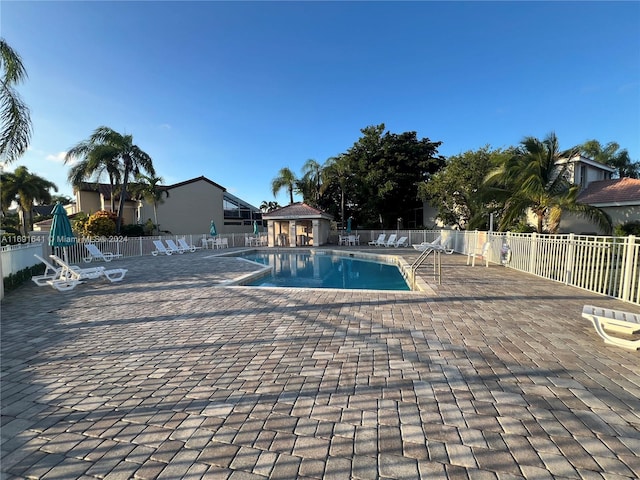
(132, 230)
(14, 280)
(629, 228)
(101, 223)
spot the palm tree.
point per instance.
(285, 179)
(107, 147)
(533, 178)
(26, 189)
(310, 182)
(337, 170)
(148, 188)
(95, 162)
(266, 206)
(611, 155)
(15, 132)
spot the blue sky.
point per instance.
(235, 91)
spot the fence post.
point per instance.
(140, 244)
(568, 267)
(628, 268)
(533, 251)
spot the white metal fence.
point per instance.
(605, 265)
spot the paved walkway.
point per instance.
(169, 375)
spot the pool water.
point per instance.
(312, 270)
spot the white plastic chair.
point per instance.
(380, 241)
(96, 254)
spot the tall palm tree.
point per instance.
(15, 132)
(26, 189)
(285, 179)
(95, 162)
(266, 206)
(337, 170)
(106, 145)
(533, 178)
(148, 187)
(310, 182)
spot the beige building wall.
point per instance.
(571, 223)
(88, 202)
(189, 209)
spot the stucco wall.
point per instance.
(189, 209)
(619, 215)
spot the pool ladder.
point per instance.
(437, 265)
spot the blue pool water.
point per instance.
(311, 270)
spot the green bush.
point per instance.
(132, 230)
(100, 224)
(629, 228)
(14, 280)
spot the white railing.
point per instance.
(605, 265)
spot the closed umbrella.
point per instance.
(349, 225)
(61, 234)
(212, 231)
(255, 228)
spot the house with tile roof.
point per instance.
(186, 208)
(619, 198)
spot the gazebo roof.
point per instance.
(296, 211)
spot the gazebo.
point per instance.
(297, 225)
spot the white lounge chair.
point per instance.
(50, 272)
(96, 254)
(161, 249)
(186, 247)
(401, 242)
(175, 248)
(617, 321)
(380, 241)
(391, 240)
(68, 272)
(421, 247)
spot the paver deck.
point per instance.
(170, 375)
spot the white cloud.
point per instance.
(56, 157)
(165, 126)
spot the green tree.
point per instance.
(531, 178)
(310, 183)
(267, 206)
(26, 189)
(611, 155)
(94, 161)
(458, 191)
(285, 179)
(107, 144)
(148, 187)
(336, 173)
(387, 169)
(15, 132)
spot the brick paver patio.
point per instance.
(170, 375)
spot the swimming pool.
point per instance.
(322, 270)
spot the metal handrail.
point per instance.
(437, 264)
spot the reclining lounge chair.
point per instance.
(605, 320)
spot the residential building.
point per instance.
(185, 208)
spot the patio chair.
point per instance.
(401, 242)
(483, 255)
(421, 247)
(391, 240)
(68, 272)
(50, 272)
(185, 246)
(96, 254)
(175, 248)
(380, 241)
(161, 249)
(617, 321)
